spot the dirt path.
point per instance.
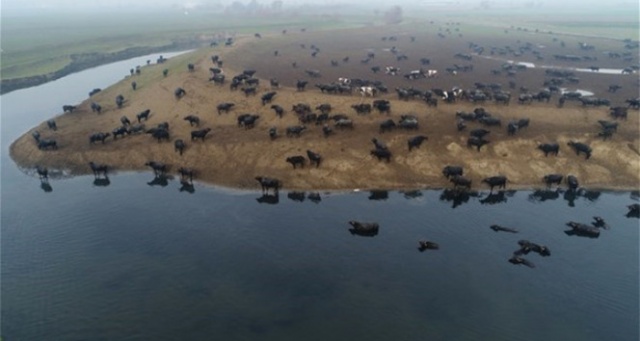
(232, 156)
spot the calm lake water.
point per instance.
(130, 261)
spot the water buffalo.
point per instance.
(98, 137)
(498, 228)
(572, 182)
(362, 108)
(634, 211)
(68, 108)
(267, 183)
(268, 97)
(344, 124)
(160, 134)
(479, 133)
(450, 171)
(416, 141)
(179, 93)
(476, 142)
(460, 181)
(95, 107)
(493, 181)
(36, 135)
(326, 130)
(47, 144)
(224, 107)
(381, 154)
(52, 125)
(582, 230)
(278, 110)
(547, 148)
(179, 146)
(551, 179)
(134, 85)
(98, 168)
(193, 120)
(364, 229)
(43, 172)
(424, 245)
(119, 101)
(200, 134)
(379, 144)
(387, 125)
(527, 246)
(247, 120)
(186, 173)
(119, 131)
(580, 147)
(296, 160)
(143, 115)
(515, 259)
(295, 130)
(300, 85)
(314, 158)
(125, 121)
(158, 167)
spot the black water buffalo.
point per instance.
(583, 230)
(634, 211)
(295, 130)
(134, 85)
(119, 101)
(551, 179)
(98, 168)
(52, 125)
(98, 137)
(381, 154)
(382, 105)
(159, 168)
(493, 181)
(120, 131)
(47, 144)
(326, 130)
(362, 108)
(296, 160)
(268, 97)
(36, 135)
(273, 133)
(193, 120)
(490, 121)
(95, 107)
(125, 121)
(608, 125)
(324, 108)
(300, 85)
(424, 245)
(498, 228)
(572, 182)
(379, 144)
(278, 110)
(186, 173)
(160, 134)
(527, 246)
(247, 120)
(344, 124)
(224, 107)
(580, 147)
(416, 141)
(143, 115)
(618, 112)
(314, 158)
(267, 183)
(460, 181)
(68, 108)
(179, 93)
(200, 134)
(479, 133)
(547, 148)
(43, 173)
(450, 171)
(136, 128)
(179, 146)
(515, 259)
(364, 229)
(387, 125)
(94, 91)
(408, 122)
(512, 128)
(476, 142)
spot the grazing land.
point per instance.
(232, 155)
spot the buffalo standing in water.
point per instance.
(363, 229)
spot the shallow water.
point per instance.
(86, 260)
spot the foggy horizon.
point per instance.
(26, 7)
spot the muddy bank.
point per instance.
(232, 156)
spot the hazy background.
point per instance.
(13, 7)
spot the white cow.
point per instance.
(367, 91)
(344, 81)
(391, 70)
(432, 73)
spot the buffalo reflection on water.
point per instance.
(187, 186)
(159, 180)
(378, 195)
(296, 196)
(569, 195)
(412, 194)
(457, 197)
(45, 186)
(101, 182)
(497, 197)
(271, 199)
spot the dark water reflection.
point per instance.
(130, 261)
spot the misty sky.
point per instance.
(90, 5)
